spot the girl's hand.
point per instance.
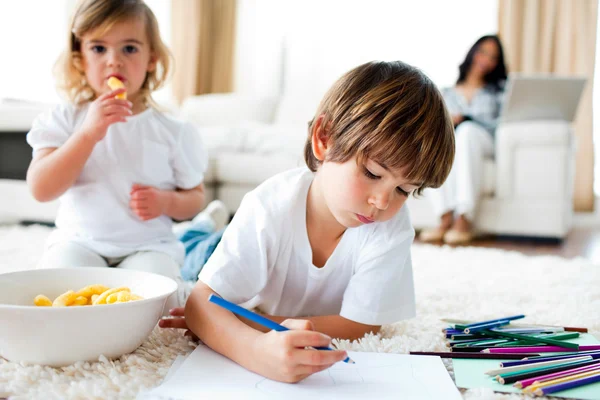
(457, 119)
(148, 202)
(103, 112)
(288, 356)
(178, 322)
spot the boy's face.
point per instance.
(123, 52)
(362, 194)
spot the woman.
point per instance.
(474, 104)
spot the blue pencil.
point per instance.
(259, 319)
(512, 318)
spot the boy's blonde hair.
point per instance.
(101, 15)
(391, 113)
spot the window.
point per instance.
(32, 35)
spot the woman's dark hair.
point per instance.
(495, 78)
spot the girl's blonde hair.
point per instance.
(391, 113)
(101, 15)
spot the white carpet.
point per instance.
(469, 283)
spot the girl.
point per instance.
(474, 104)
(122, 168)
(329, 243)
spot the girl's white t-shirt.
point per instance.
(264, 260)
(151, 148)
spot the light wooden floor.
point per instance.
(581, 242)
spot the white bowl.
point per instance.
(59, 336)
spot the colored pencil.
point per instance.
(482, 343)
(564, 379)
(445, 354)
(539, 349)
(517, 376)
(512, 318)
(481, 327)
(567, 385)
(530, 381)
(565, 328)
(526, 367)
(259, 319)
(532, 340)
(526, 360)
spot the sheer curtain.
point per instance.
(558, 37)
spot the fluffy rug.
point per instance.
(467, 283)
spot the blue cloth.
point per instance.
(200, 241)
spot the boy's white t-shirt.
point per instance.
(152, 149)
(264, 260)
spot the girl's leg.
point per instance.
(473, 144)
(69, 254)
(162, 264)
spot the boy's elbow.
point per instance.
(365, 330)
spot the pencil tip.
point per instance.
(351, 361)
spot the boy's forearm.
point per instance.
(52, 174)
(230, 336)
(334, 326)
(185, 204)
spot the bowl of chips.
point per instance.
(57, 317)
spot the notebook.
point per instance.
(207, 374)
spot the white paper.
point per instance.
(206, 374)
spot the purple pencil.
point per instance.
(567, 385)
(539, 349)
(527, 382)
(524, 361)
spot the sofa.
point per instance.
(527, 190)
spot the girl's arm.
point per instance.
(184, 204)
(281, 356)
(54, 170)
(334, 326)
(148, 202)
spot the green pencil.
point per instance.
(532, 340)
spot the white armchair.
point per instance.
(527, 188)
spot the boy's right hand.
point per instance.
(288, 356)
(103, 112)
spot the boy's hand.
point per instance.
(103, 112)
(287, 356)
(148, 202)
(178, 322)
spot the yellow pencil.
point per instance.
(534, 387)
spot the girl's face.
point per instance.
(485, 59)
(123, 52)
(363, 194)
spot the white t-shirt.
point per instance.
(151, 148)
(265, 260)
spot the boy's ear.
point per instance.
(320, 138)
